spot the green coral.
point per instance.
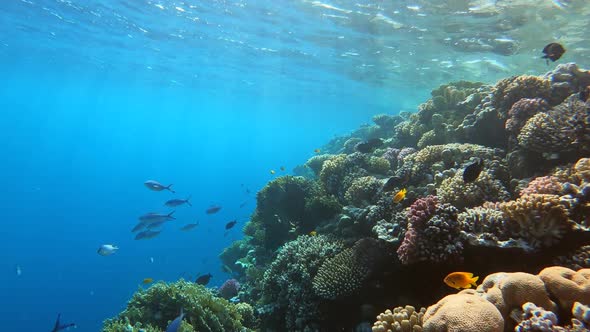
(161, 303)
(378, 165)
(288, 206)
(363, 191)
(287, 284)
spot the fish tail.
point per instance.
(473, 280)
(188, 200)
(171, 213)
(170, 188)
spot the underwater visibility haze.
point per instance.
(295, 165)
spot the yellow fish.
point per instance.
(313, 233)
(147, 281)
(400, 196)
(460, 280)
(317, 150)
(272, 171)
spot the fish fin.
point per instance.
(170, 189)
(56, 328)
(468, 286)
(469, 274)
(473, 280)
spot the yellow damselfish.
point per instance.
(400, 196)
(147, 281)
(460, 280)
(313, 233)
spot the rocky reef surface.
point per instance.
(330, 249)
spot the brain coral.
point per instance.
(401, 319)
(287, 283)
(462, 313)
(345, 273)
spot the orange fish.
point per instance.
(272, 171)
(313, 233)
(317, 150)
(147, 281)
(400, 196)
(460, 280)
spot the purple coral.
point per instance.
(391, 155)
(229, 289)
(523, 110)
(418, 214)
(543, 185)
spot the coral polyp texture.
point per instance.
(321, 246)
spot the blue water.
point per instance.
(79, 139)
(97, 97)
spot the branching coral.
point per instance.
(523, 110)
(401, 319)
(508, 91)
(345, 273)
(433, 233)
(362, 191)
(161, 303)
(540, 219)
(543, 185)
(455, 191)
(565, 128)
(287, 283)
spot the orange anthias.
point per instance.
(399, 196)
(460, 280)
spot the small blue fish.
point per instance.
(177, 202)
(157, 186)
(146, 235)
(175, 324)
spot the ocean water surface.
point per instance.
(97, 97)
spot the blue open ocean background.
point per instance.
(97, 97)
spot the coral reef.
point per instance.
(156, 306)
(529, 208)
(401, 319)
(287, 292)
(345, 273)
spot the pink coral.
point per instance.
(418, 214)
(229, 289)
(543, 185)
(523, 110)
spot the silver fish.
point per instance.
(157, 186)
(107, 249)
(188, 227)
(156, 217)
(146, 235)
(177, 202)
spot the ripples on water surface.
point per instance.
(382, 43)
